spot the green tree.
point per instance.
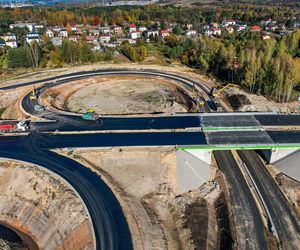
(19, 57)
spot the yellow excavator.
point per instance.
(217, 93)
(33, 95)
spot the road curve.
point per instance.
(109, 224)
(67, 121)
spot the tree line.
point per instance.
(266, 67)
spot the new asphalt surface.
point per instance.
(248, 224)
(109, 224)
(284, 217)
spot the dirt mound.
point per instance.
(237, 101)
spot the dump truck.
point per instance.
(90, 115)
(21, 126)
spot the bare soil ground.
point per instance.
(239, 100)
(42, 207)
(10, 100)
(145, 182)
(118, 95)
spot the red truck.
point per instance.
(14, 127)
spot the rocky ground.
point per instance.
(145, 182)
(44, 211)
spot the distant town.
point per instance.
(112, 36)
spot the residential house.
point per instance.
(91, 39)
(214, 25)
(117, 30)
(39, 27)
(9, 36)
(74, 28)
(170, 29)
(216, 31)
(57, 29)
(271, 27)
(131, 27)
(2, 43)
(240, 27)
(265, 36)
(190, 33)
(172, 24)
(74, 38)
(296, 25)
(142, 28)
(268, 22)
(104, 39)
(50, 33)
(229, 29)
(164, 33)
(63, 33)
(208, 32)
(255, 28)
(105, 30)
(189, 26)
(131, 41)
(33, 36)
(57, 41)
(94, 32)
(152, 33)
(29, 26)
(12, 43)
(135, 35)
(226, 23)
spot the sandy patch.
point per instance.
(41, 206)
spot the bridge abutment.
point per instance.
(274, 155)
(193, 168)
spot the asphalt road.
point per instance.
(248, 224)
(50, 141)
(109, 224)
(284, 217)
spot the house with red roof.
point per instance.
(132, 27)
(90, 39)
(164, 33)
(255, 28)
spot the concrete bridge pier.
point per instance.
(193, 168)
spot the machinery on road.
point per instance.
(90, 115)
(21, 126)
(33, 95)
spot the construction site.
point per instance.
(167, 202)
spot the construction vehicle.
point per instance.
(21, 126)
(90, 115)
(216, 93)
(33, 95)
